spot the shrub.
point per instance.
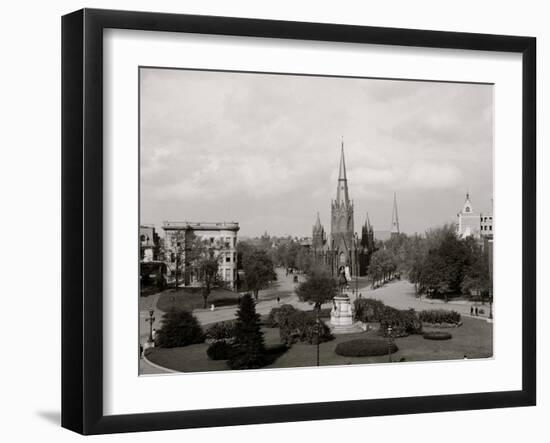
(365, 347)
(437, 335)
(249, 340)
(403, 323)
(439, 316)
(179, 328)
(220, 350)
(276, 314)
(221, 331)
(301, 326)
(368, 310)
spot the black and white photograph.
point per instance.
(292, 221)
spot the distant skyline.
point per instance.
(263, 149)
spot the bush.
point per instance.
(368, 310)
(403, 323)
(220, 350)
(365, 347)
(179, 328)
(437, 335)
(277, 314)
(221, 331)
(439, 316)
(301, 326)
(249, 339)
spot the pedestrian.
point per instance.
(476, 311)
(472, 310)
(140, 350)
(278, 299)
(154, 334)
(212, 307)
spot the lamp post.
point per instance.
(317, 327)
(389, 342)
(356, 265)
(151, 319)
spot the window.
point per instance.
(228, 258)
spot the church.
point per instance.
(343, 248)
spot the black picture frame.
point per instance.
(82, 220)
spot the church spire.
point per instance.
(394, 217)
(318, 221)
(342, 196)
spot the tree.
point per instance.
(319, 288)
(208, 276)
(249, 339)
(258, 271)
(179, 328)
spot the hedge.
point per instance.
(403, 323)
(221, 331)
(437, 335)
(301, 326)
(179, 328)
(368, 310)
(220, 350)
(279, 313)
(365, 347)
(439, 316)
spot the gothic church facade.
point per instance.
(342, 248)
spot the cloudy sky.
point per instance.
(263, 149)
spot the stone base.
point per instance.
(354, 328)
(341, 315)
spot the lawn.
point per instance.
(191, 298)
(473, 339)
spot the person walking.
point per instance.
(476, 311)
(472, 310)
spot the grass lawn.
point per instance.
(473, 339)
(191, 298)
(193, 358)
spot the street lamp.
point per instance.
(389, 343)
(151, 319)
(317, 327)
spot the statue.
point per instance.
(342, 280)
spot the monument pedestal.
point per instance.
(341, 316)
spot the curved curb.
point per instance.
(149, 362)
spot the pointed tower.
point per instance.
(318, 237)
(468, 220)
(341, 228)
(366, 230)
(394, 217)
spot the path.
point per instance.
(284, 287)
(400, 294)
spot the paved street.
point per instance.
(400, 294)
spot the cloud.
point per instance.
(264, 149)
(431, 175)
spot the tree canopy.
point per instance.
(320, 287)
(258, 270)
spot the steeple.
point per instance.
(318, 221)
(367, 222)
(342, 196)
(394, 217)
(467, 203)
(318, 235)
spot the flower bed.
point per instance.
(437, 335)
